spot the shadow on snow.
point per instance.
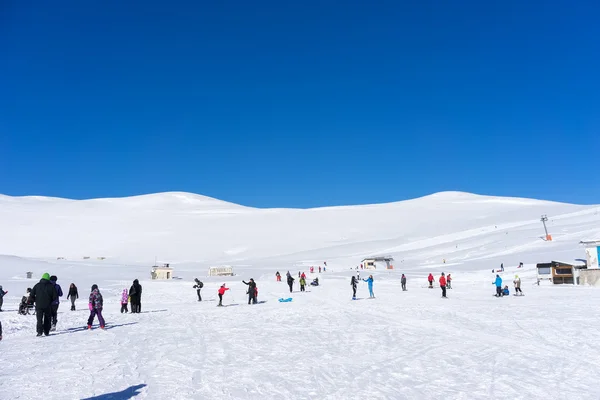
(84, 328)
(126, 394)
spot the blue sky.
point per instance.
(300, 104)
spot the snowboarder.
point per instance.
(198, 286)
(430, 279)
(278, 276)
(448, 282)
(354, 284)
(135, 292)
(124, 301)
(222, 290)
(290, 282)
(56, 302)
(443, 284)
(251, 291)
(517, 283)
(403, 282)
(498, 283)
(2, 293)
(369, 281)
(43, 294)
(302, 284)
(73, 294)
(95, 304)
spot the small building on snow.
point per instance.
(559, 273)
(591, 275)
(164, 272)
(371, 263)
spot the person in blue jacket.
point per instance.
(498, 286)
(505, 291)
(369, 280)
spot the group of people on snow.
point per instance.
(500, 291)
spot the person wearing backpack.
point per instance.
(56, 302)
(73, 294)
(198, 286)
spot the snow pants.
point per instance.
(302, 288)
(199, 296)
(93, 314)
(136, 305)
(44, 320)
(371, 291)
(1, 302)
(430, 284)
(499, 291)
(73, 303)
(220, 299)
(404, 286)
(54, 308)
(353, 291)
(124, 308)
(291, 287)
(252, 298)
(443, 290)
(518, 290)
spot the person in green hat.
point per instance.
(43, 294)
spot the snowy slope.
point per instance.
(322, 345)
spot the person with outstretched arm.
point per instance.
(222, 291)
(498, 283)
(251, 291)
(2, 294)
(369, 281)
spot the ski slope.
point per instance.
(322, 345)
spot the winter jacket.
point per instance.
(498, 281)
(124, 297)
(353, 282)
(135, 291)
(290, 280)
(222, 290)
(2, 292)
(442, 280)
(96, 300)
(369, 281)
(251, 287)
(403, 280)
(430, 278)
(302, 282)
(59, 293)
(505, 292)
(43, 294)
(73, 292)
(518, 282)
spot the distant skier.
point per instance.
(520, 265)
(302, 284)
(430, 279)
(498, 283)
(319, 269)
(43, 294)
(502, 267)
(449, 282)
(403, 282)
(95, 304)
(517, 283)
(251, 291)
(299, 274)
(222, 291)
(56, 302)
(278, 276)
(2, 293)
(354, 284)
(369, 281)
(135, 292)
(303, 275)
(443, 284)
(198, 286)
(124, 301)
(73, 294)
(290, 282)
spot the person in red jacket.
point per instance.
(443, 284)
(430, 279)
(222, 290)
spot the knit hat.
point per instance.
(53, 278)
(46, 276)
(94, 287)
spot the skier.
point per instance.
(302, 284)
(517, 283)
(430, 279)
(443, 284)
(73, 294)
(498, 283)
(222, 290)
(135, 292)
(448, 282)
(198, 286)
(95, 305)
(2, 293)
(354, 284)
(290, 282)
(369, 280)
(278, 276)
(251, 291)
(403, 282)
(43, 294)
(520, 265)
(124, 301)
(56, 302)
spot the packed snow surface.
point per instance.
(322, 344)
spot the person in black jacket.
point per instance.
(251, 291)
(353, 283)
(135, 293)
(290, 281)
(198, 286)
(73, 294)
(44, 294)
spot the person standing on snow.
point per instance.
(222, 290)
(135, 292)
(2, 293)
(354, 284)
(251, 291)
(56, 302)
(95, 304)
(290, 282)
(517, 283)
(403, 282)
(73, 294)
(278, 276)
(302, 284)
(443, 284)
(498, 283)
(43, 294)
(198, 286)
(430, 279)
(124, 301)
(449, 282)
(369, 281)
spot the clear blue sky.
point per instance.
(300, 104)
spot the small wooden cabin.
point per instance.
(558, 273)
(371, 263)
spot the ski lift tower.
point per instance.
(544, 219)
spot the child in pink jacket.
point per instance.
(124, 301)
